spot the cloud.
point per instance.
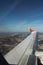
(36, 15)
(22, 26)
(37, 25)
(19, 27)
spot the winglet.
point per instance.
(31, 30)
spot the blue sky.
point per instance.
(18, 15)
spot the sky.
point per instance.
(19, 15)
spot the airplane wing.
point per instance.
(21, 53)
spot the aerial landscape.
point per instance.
(9, 40)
